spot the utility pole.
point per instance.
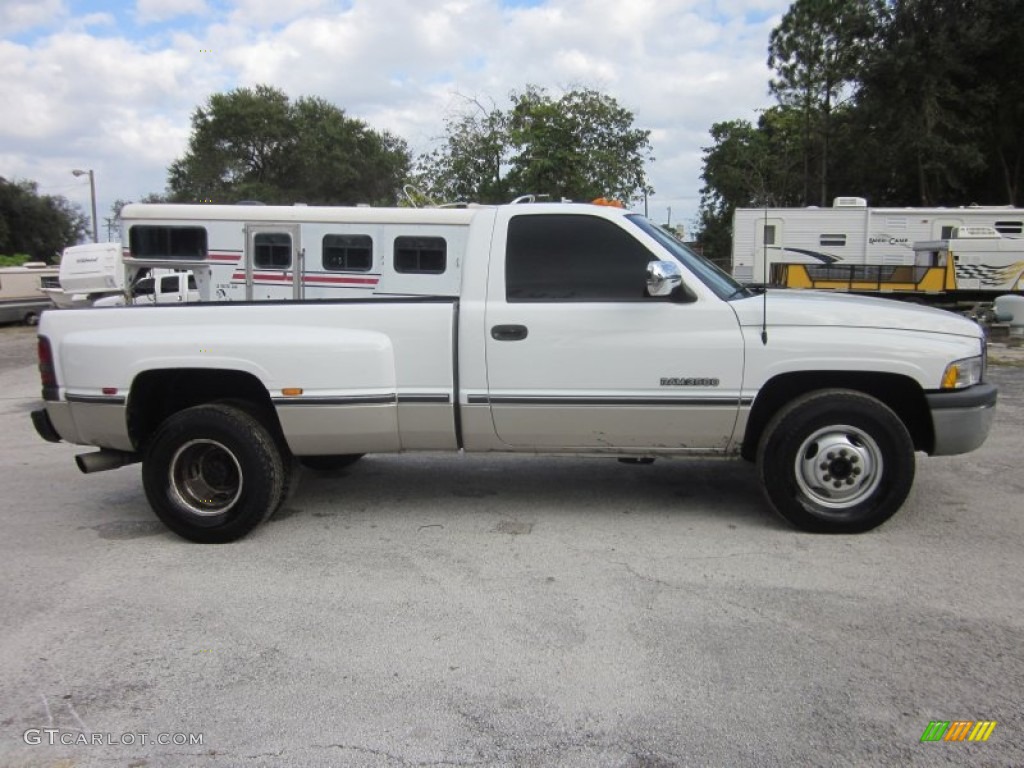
(92, 192)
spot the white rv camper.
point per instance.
(851, 234)
(21, 292)
(87, 273)
(982, 259)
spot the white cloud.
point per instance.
(21, 15)
(124, 106)
(267, 13)
(149, 11)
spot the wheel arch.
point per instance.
(902, 394)
(157, 394)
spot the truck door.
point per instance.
(273, 262)
(170, 289)
(579, 356)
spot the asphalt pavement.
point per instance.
(447, 610)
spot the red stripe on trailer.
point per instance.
(329, 279)
(332, 280)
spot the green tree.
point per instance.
(748, 166)
(38, 226)
(996, 96)
(256, 144)
(920, 91)
(580, 146)
(904, 102)
(818, 53)
(336, 160)
(470, 163)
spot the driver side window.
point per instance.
(573, 258)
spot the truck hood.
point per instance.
(820, 308)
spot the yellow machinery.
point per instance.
(867, 278)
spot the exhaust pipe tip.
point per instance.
(104, 459)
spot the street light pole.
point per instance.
(92, 192)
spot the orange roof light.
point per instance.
(606, 201)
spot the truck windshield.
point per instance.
(706, 271)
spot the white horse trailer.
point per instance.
(267, 253)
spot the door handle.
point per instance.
(509, 332)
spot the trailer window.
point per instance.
(1010, 227)
(348, 253)
(421, 255)
(832, 240)
(272, 250)
(769, 234)
(153, 242)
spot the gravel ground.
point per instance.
(424, 610)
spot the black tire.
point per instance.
(330, 463)
(836, 461)
(213, 473)
(31, 319)
(290, 479)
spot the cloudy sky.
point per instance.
(109, 85)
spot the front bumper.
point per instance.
(961, 418)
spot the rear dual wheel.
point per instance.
(212, 473)
(836, 461)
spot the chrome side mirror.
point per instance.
(663, 277)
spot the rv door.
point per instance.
(945, 229)
(768, 244)
(273, 262)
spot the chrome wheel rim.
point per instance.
(205, 478)
(838, 467)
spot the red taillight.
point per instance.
(46, 369)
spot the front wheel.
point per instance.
(212, 473)
(836, 461)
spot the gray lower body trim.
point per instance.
(962, 419)
(362, 400)
(97, 399)
(689, 402)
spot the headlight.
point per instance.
(963, 373)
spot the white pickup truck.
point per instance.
(542, 328)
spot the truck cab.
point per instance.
(160, 287)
